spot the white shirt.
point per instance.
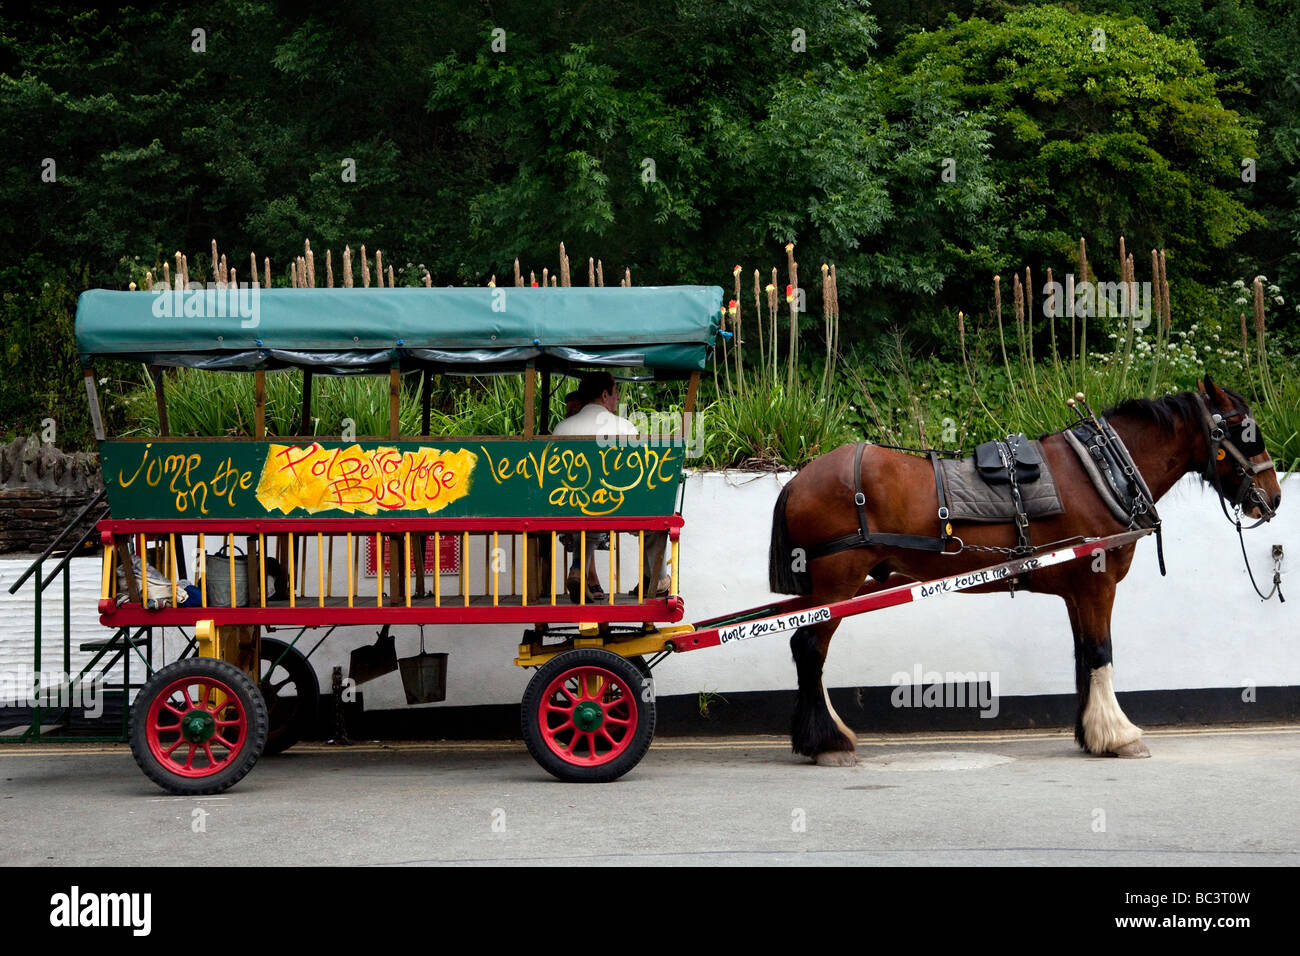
(595, 419)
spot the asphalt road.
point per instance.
(1222, 796)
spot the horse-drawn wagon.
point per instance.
(305, 505)
(268, 523)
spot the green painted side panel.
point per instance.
(413, 479)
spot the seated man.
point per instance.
(573, 403)
(599, 393)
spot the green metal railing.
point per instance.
(120, 645)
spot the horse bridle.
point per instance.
(1226, 436)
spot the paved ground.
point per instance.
(1225, 796)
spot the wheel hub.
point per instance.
(588, 716)
(198, 726)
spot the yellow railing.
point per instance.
(516, 573)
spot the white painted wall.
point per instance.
(1202, 626)
(17, 624)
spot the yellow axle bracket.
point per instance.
(652, 642)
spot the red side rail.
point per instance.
(664, 609)
(242, 527)
(312, 610)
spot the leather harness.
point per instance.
(864, 537)
(1108, 462)
(1113, 472)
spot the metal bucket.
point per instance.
(424, 678)
(219, 584)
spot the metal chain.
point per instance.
(1015, 552)
(340, 724)
(1008, 452)
(989, 548)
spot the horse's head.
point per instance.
(1237, 465)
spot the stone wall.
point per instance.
(41, 490)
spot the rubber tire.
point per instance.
(622, 669)
(287, 727)
(250, 699)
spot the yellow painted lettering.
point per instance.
(143, 458)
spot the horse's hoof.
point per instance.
(1136, 749)
(836, 758)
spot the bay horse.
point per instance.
(1167, 438)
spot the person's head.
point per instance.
(573, 403)
(599, 387)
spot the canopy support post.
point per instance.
(394, 401)
(92, 399)
(529, 402)
(426, 400)
(689, 408)
(305, 425)
(426, 404)
(544, 424)
(155, 372)
(259, 414)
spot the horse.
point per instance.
(1196, 431)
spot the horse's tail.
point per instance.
(782, 577)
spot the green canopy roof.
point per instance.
(670, 329)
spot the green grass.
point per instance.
(773, 427)
(1005, 382)
(203, 403)
(925, 401)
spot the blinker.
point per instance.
(1249, 448)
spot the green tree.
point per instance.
(1251, 46)
(682, 162)
(1102, 127)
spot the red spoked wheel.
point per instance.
(588, 716)
(198, 726)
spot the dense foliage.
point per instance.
(920, 146)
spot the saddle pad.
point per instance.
(971, 498)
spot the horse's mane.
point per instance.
(1168, 410)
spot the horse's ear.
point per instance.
(1215, 394)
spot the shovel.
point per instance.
(378, 659)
